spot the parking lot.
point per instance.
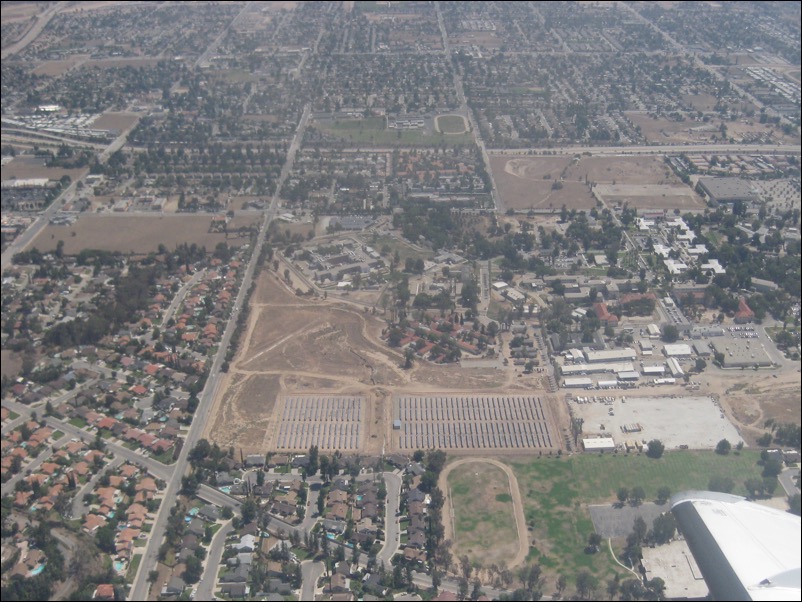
(696, 422)
(472, 422)
(330, 422)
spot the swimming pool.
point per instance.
(37, 570)
(119, 566)
(225, 489)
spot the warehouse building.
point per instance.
(610, 355)
(741, 353)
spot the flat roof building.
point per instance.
(577, 383)
(610, 355)
(727, 190)
(596, 368)
(741, 353)
(678, 350)
(598, 444)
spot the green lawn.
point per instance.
(556, 492)
(79, 422)
(57, 435)
(451, 124)
(404, 250)
(165, 457)
(132, 568)
(373, 131)
(12, 415)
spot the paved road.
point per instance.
(310, 573)
(23, 240)
(180, 296)
(41, 21)
(655, 149)
(141, 587)
(208, 580)
(32, 467)
(392, 530)
(79, 510)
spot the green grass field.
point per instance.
(556, 492)
(372, 131)
(451, 124)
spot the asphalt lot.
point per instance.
(612, 521)
(697, 422)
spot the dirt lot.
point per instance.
(651, 196)
(750, 398)
(115, 121)
(645, 182)
(25, 167)
(58, 67)
(521, 184)
(10, 363)
(136, 233)
(310, 345)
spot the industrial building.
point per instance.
(598, 444)
(596, 368)
(678, 350)
(578, 383)
(741, 353)
(610, 355)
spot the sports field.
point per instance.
(557, 491)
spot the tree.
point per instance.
(637, 495)
(723, 447)
(193, 570)
(664, 527)
(586, 584)
(700, 364)
(721, 484)
(560, 584)
(623, 495)
(249, 509)
(594, 540)
(670, 334)
(656, 448)
(663, 493)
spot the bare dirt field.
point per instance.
(136, 233)
(57, 67)
(644, 182)
(23, 168)
(651, 196)
(623, 170)
(308, 345)
(527, 183)
(486, 512)
(115, 121)
(750, 398)
(10, 363)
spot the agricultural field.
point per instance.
(138, 234)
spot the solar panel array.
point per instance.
(328, 421)
(472, 422)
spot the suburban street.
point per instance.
(140, 588)
(205, 587)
